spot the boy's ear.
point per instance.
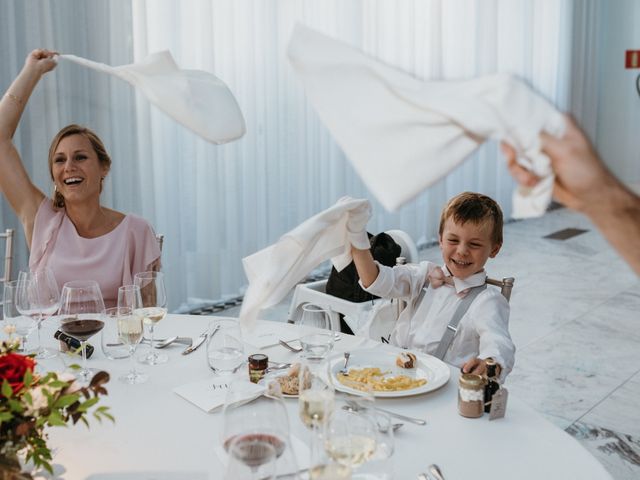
(494, 251)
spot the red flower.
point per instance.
(13, 367)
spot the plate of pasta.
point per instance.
(389, 373)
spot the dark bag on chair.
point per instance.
(344, 284)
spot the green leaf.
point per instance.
(6, 389)
(28, 378)
(56, 419)
(66, 400)
(87, 404)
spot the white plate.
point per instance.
(435, 371)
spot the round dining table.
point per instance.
(159, 435)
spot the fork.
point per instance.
(344, 370)
(289, 347)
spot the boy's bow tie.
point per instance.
(437, 278)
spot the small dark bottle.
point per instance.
(72, 343)
(492, 385)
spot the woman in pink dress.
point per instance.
(73, 234)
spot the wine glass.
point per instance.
(130, 330)
(315, 400)
(318, 340)
(22, 325)
(263, 418)
(350, 438)
(251, 457)
(38, 296)
(225, 350)
(153, 309)
(81, 306)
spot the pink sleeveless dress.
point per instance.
(111, 259)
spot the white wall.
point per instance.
(618, 123)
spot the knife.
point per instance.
(199, 341)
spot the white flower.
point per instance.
(9, 329)
(38, 400)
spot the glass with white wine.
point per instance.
(350, 438)
(153, 309)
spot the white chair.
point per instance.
(315, 292)
(8, 259)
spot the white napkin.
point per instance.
(198, 100)
(273, 271)
(210, 394)
(403, 134)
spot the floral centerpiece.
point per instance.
(29, 403)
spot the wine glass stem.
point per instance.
(23, 344)
(316, 444)
(83, 345)
(39, 325)
(152, 355)
(132, 372)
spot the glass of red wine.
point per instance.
(81, 306)
(251, 457)
(249, 425)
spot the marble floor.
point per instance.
(575, 313)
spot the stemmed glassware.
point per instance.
(130, 328)
(315, 400)
(22, 325)
(153, 309)
(81, 306)
(261, 421)
(316, 344)
(38, 297)
(251, 458)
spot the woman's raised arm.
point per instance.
(15, 183)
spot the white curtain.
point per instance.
(217, 204)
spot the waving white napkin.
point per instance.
(274, 271)
(403, 134)
(198, 100)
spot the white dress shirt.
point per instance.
(483, 331)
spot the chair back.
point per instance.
(8, 254)
(160, 239)
(506, 285)
(408, 247)
(7, 236)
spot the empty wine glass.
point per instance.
(318, 340)
(81, 306)
(153, 309)
(38, 297)
(22, 325)
(251, 457)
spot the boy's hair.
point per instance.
(476, 208)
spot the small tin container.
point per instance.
(471, 395)
(258, 364)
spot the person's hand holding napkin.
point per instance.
(275, 270)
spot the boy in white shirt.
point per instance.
(470, 233)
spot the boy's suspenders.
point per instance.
(452, 327)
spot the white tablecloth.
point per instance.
(159, 435)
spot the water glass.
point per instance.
(225, 350)
(112, 347)
(318, 340)
(21, 325)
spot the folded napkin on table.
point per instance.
(198, 100)
(403, 134)
(274, 271)
(210, 394)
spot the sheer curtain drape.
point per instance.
(217, 204)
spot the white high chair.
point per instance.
(315, 292)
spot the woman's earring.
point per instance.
(55, 188)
